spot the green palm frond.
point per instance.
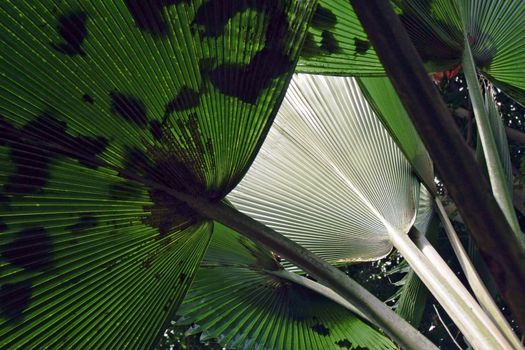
(239, 298)
(336, 43)
(500, 137)
(495, 30)
(101, 101)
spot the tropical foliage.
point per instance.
(132, 131)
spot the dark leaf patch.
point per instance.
(14, 299)
(182, 278)
(3, 199)
(88, 98)
(361, 46)
(72, 28)
(168, 214)
(32, 168)
(85, 222)
(149, 16)
(31, 250)
(246, 82)
(3, 227)
(129, 108)
(181, 178)
(329, 42)
(156, 129)
(6, 131)
(185, 99)
(123, 191)
(344, 343)
(323, 18)
(206, 66)
(321, 329)
(36, 144)
(310, 48)
(428, 45)
(213, 16)
(137, 162)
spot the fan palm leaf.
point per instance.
(325, 123)
(329, 176)
(100, 100)
(495, 30)
(412, 294)
(242, 297)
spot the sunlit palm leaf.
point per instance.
(95, 96)
(329, 176)
(337, 44)
(383, 98)
(236, 299)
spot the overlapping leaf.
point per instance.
(329, 176)
(383, 98)
(237, 299)
(496, 32)
(97, 99)
(336, 43)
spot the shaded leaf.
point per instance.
(412, 294)
(236, 299)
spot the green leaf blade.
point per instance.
(336, 43)
(104, 105)
(247, 307)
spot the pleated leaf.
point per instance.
(383, 98)
(102, 104)
(495, 31)
(336, 43)
(236, 299)
(329, 176)
(489, 130)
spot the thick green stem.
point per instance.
(497, 177)
(475, 325)
(502, 250)
(476, 284)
